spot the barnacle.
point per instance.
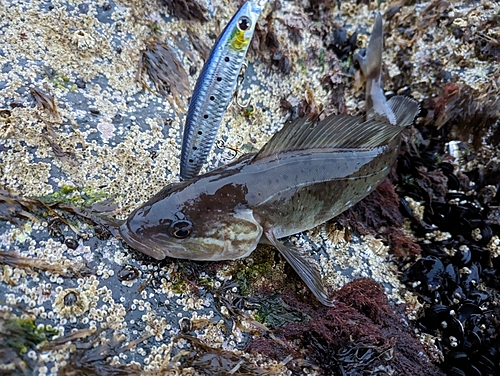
(71, 303)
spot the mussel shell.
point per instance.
(472, 341)
(455, 196)
(454, 371)
(429, 271)
(486, 234)
(455, 329)
(405, 208)
(451, 274)
(485, 365)
(471, 280)
(434, 316)
(462, 258)
(453, 182)
(467, 309)
(478, 297)
(404, 166)
(446, 167)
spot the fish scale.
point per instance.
(214, 90)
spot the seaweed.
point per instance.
(213, 361)
(360, 334)
(468, 113)
(67, 271)
(274, 312)
(17, 337)
(164, 69)
(44, 101)
(91, 356)
(51, 136)
(86, 203)
(187, 9)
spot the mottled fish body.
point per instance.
(215, 88)
(308, 173)
(371, 66)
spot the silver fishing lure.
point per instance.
(215, 87)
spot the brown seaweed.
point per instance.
(187, 9)
(68, 271)
(467, 112)
(164, 69)
(44, 101)
(51, 136)
(91, 356)
(361, 333)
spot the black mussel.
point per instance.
(404, 166)
(472, 341)
(487, 194)
(71, 243)
(454, 371)
(476, 175)
(458, 356)
(435, 316)
(478, 297)
(442, 208)
(435, 250)
(482, 234)
(453, 332)
(405, 208)
(462, 257)
(455, 196)
(451, 275)
(467, 309)
(128, 273)
(453, 182)
(438, 214)
(417, 161)
(486, 365)
(457, 295)
(470, 278)
(436, 297)
(446, 167)
(429, 271)
(473, 371)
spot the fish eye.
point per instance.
(181, 229)
(244, 23)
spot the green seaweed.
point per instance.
(22, 335)
(274, 312)
(59, 80)
(248, 276)
(179, 287)
(80, 197)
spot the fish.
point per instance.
(307, 173)
(215, 87)
(371, 67)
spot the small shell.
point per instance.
(71, 303)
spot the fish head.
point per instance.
(244, 25)
(193, 221)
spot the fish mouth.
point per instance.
(129, 237)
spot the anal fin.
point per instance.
(305, 267)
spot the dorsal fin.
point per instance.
(335, 131)
(404, 109)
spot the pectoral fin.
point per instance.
(305, 267)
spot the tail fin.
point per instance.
(404, 108)
(371, 66)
